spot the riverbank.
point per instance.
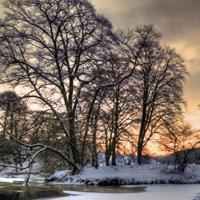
(129, 175)
(151, 173)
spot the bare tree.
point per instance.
(118, 113)
(12, 123)
(160, 79)
(118, 109)
(180, 141)
(52, 48)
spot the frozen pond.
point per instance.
(154, 192)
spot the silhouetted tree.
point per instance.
(52, 48)
(160, 79)
(13, 113)
(179, 140)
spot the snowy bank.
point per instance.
(126, 175)
(9, 174)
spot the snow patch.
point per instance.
(153, 173)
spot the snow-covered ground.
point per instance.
(153, 173)
(9, 174)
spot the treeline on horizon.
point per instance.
(94, 88)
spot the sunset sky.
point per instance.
(178, 21)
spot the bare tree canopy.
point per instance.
(160, 78)
(55, 49)
(92, 85)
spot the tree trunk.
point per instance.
(115, 125)
(107, 158)
(142, 130)
(73, 142)
(140, 144)
(139, 154)
(94, 142)
(114, 152)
